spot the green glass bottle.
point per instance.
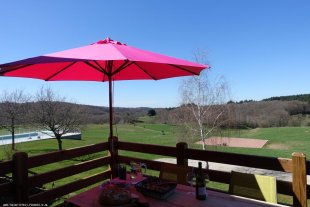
(201, 192)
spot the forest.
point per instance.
(271, 112)
(300, 97)
(253, 114)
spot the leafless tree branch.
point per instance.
(203, 102)
(13, 111)
(53, 113)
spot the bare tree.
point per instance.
(203, 105)
(53, 113)
(13, 110)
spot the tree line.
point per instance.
(299, 97)
(46, 110)
(248, 114)
(49, 111)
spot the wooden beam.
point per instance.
(182, 153)
(6, 189)
(308, 167)
(255, 161)
(6, 167)
(287, 164)
(54, 193)
(53, 157)
(41, 179)
(148, 148)
(20, 177)
(299, 180)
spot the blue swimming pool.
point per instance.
(33, 136)
(19, 136)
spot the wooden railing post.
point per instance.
(20, 177)
(299, 180)
(182, 153)
(114, 153)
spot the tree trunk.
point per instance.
(202, 139)
(59, 142)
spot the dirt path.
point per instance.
(277, 146)
(235, 142)
(228, 168)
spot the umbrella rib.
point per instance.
(93, 66)
(184, 69)
(17, 68)
(99, 65)
(59, 71)
(104, 74)
(145, 71)
(122, 67)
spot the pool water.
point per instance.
(33, 136)
(19, 136)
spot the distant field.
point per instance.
(282, 140)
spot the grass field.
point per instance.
(282, 142)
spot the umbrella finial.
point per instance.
(108, 40)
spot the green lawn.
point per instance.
(282, 141)
(289, 139)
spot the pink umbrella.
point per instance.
(105, 60)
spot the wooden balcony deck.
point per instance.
(22, 181)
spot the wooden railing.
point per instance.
(22, 182)
(20, 165)
(298, 165)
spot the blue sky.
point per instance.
(261, 47)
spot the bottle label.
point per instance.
(202, 191)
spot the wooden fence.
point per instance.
(22, 182)
(297, 165)
(20, 165)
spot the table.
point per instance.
(184, 196)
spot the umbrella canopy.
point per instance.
(105, 60)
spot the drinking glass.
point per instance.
(207, 179)
(191, 180)
(190, 177)
(135, 170)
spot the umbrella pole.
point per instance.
(110, 107)
(112, 140)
